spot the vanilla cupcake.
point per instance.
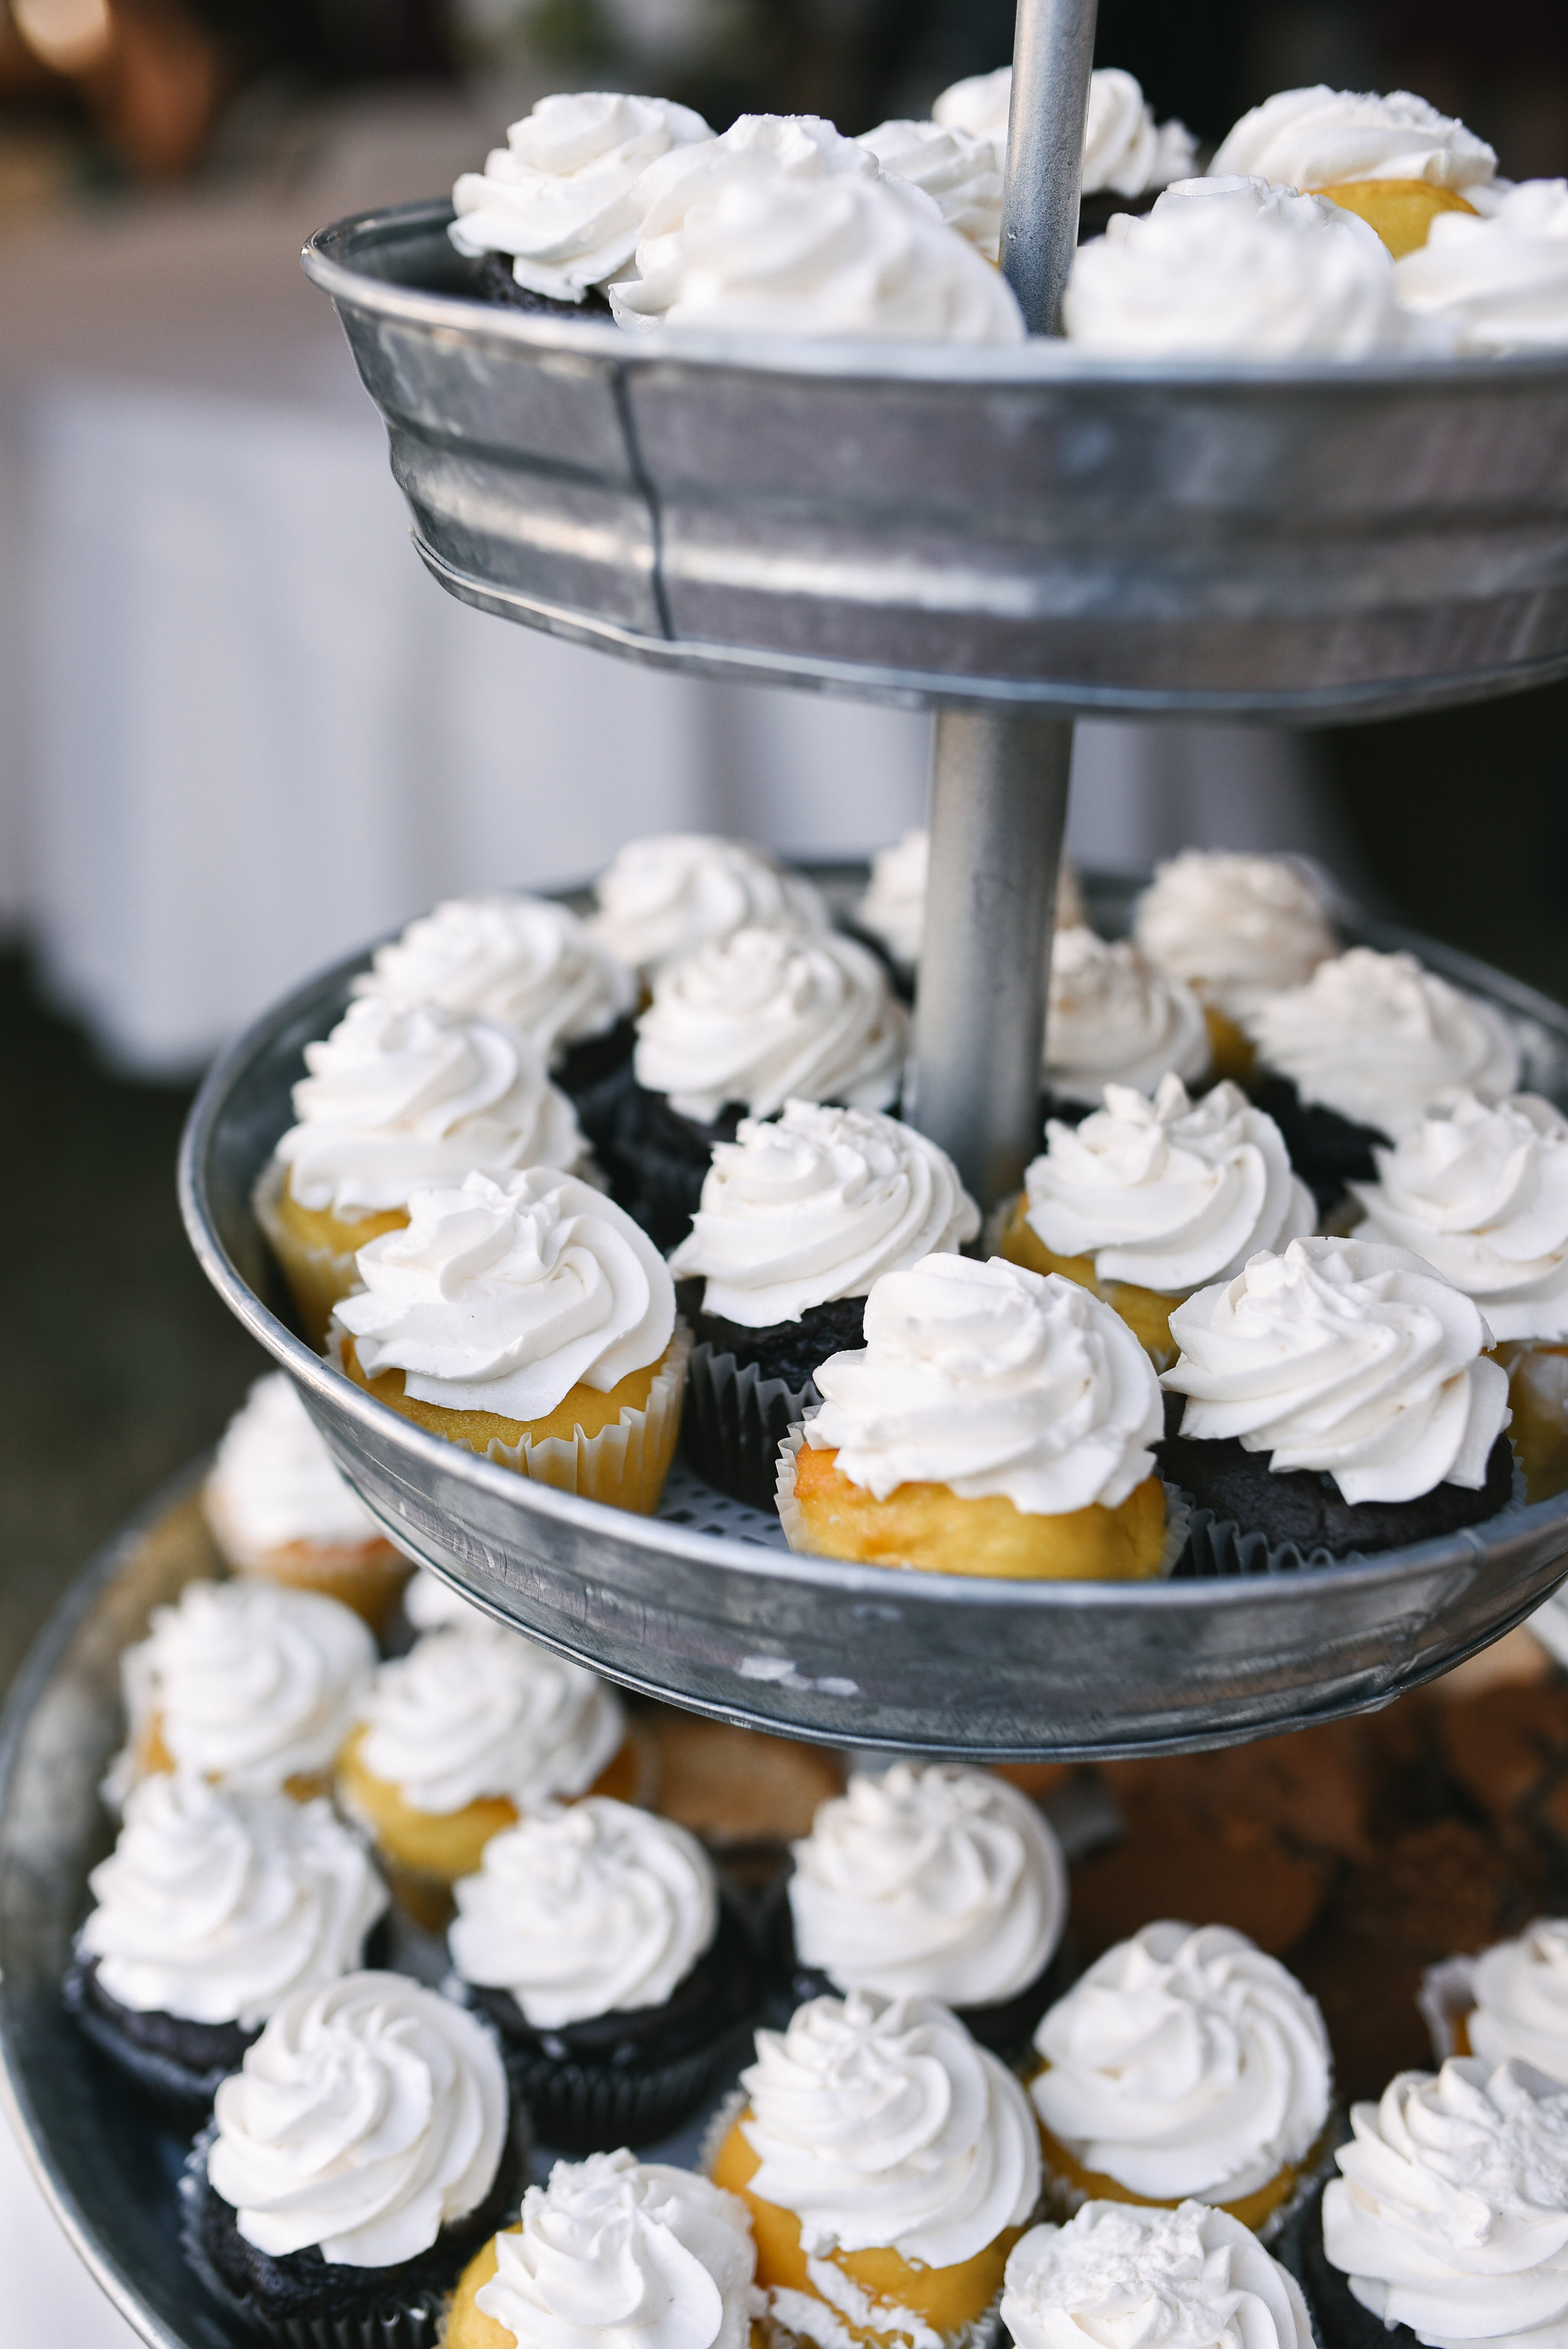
(888, 2164)
(1394, 160)
(211, 1910)
(399, 1100)
(1127, 157)
(1448, 2223)
(1119, 2272)
(1508, 2005)
(1237, 928)
(248, 1684)
(1113, 1019)
(1184, 2066)
(996, 1423)
(1497, 285)
(357, 2158)
(1363, 1050)
(929, 1880)
(891, 912)
(613, 2253)
(1481, 1192)
(458, 1738)
(799, 1215)
(280, 1508)
(661, 899)
(596, 1939)
(1147, 1201)
(1340, 1400)
(737, 1030)
(530, 1320)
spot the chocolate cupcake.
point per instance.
(1363, 1049)
(1117, 2271)
(211, 1912)
(1339, 1401)
(347, 2228)
(739, 1028)
(798, 1216)
(622, 1983)
(1238, 929)
(928, 1880)
(1113, 1019)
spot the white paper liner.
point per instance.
(1446, 1997)
(790, 1516)
(318, 1278)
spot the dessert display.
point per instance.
(1115, 1018)
(1238, 929)
(1118, 2272)
(279, 1508)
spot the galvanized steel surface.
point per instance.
(1053, 55)
(1018, 524)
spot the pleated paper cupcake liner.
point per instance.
(318, 1278)
(182, 2097)
(582, 2109)
(736, 1420)
(1219, 1546)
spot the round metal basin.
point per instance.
(727, 1622)
(1023, 525)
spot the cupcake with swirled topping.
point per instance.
(1510, 2004)
(1113, 1019)
(1184, 2066)
(1448, 2223)
(211, 1910)
(279, 1507)
(996, 1423)
(888, 2165)
(1191, 2277)
(1147, 1201)
(356, 2161)
(1127, 157)
(1365, 1050)
(247, 1685)
(1500, 283)
(1237, 929)
(597, 1940)
(737, 1030)
(1394, 161)
(661, 899)
(398, 1100)
(799, 1215)
(459, 1737)
(891, 912)
(1339, 1401)
(929, 1880)
(613, 2253)
(531, 1321)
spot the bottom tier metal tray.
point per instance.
(703, 1605)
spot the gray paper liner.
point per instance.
(735, 1419)
(1219, 1546)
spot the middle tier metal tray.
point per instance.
(703, 1606)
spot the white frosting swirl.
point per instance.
(475, 1711)
(367, 2116)
(929, 1880)
(616, 2253)
(1345, 1357)
(217, 1906)
(894, 908)
(988, 1379)
(1185, 2065)
(559, 195)
(662, 897)
(783, 227)
(1167, 1193)
(1121, 2277)
(502, 1297)
(400, 1097)
(1481, 1192)
(1235, 928)
(960, 173)
(1382, 1041)
(274, 1483)
(1233, 268)
(881, 2125)
(595, 1909)
(431, 1605)
(1521, 1993)
(1452, 2216)
(250, 1683)
(526, 962)
(1124, 150)
(1499, 284)
(816, 1205)
(766, 1015)
(1113, 1019)
(1323, 138)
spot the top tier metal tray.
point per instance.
(1017, 525)
(703, 1605)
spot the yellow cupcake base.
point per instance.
(1068, 2185)
(367, 1576)
(315, 1249)
(150, 1758)
(1146, 1311)
(1401, 211)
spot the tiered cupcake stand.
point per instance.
(1011, 536)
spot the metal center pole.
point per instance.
(999, 785)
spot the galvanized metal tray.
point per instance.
(703, 1606)
(1020, 526)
